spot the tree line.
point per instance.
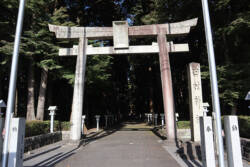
(129, 85)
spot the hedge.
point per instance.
(34, 128)
(244, 125)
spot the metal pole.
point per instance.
(213, 80)
(106, 121)
(12, 84)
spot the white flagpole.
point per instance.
(213, 80)
(12, 84)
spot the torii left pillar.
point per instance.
(77, 104)
(166, 81)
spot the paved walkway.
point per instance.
(134, 145)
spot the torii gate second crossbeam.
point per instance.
(121, 32)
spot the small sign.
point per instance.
(209, 129)
(14, 129)
(120, 34)
(234, 128)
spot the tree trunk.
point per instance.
(31, 94)
(234, 109)
(42, 94)
(1, 90)
(50, 94)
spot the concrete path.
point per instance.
(134, 145)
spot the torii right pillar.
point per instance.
(166, 81)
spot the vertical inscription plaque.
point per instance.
(195, 99)
(120, 34)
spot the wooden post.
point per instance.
(77, 105)
(167, 89)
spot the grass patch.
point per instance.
(183, 125)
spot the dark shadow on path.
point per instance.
(60, 156)
(190, 152)
(155, 130)
(135, 129)
(99, 135)
(44, 152)
(51, 161)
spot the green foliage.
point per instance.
(244, 125)
(232, 82)
(34, 128)
(183, 124)
(98, 69)
(63, 126)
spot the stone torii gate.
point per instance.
(120, 33)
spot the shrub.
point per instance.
(62, 126)
(244, 125)
(34, 128)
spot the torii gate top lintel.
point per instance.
(170, 29)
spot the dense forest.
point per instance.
(126, 84)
